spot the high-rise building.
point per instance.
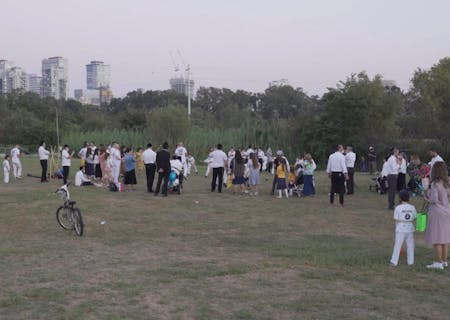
(35, 83)
(182, 85)
(98, 75)
(5, 66)
(17, 80)
(97, 90)
(54, 77)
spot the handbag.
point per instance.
(422, 219)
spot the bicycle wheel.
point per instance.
(78, 221)
(63, 218)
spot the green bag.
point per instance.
(421, 222)
(422, 217)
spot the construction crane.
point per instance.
(176, 67)
(187, 69)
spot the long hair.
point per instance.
(439, 172)
(238, 157)
(255, 161)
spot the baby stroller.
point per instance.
(175, 181)
(298, 185)
(378, 184)
(415, 185)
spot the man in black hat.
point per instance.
(163, 168)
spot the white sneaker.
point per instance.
(445, 264)
(436, 265)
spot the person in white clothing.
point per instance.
(218, 163)
(337, 171)
(181, 153)
(191, 164)
(350, 159)
(43, 158)
(404, 215)
(116, 161)
(82, 154)
(208, 162)
(435, 157)
(15, 159)
(392, 169)
(401, 178)
(66, 162)
(81, 179)
(6, 169)
(149, 158)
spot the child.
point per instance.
(291, 180)
(6, 169)
(281, 179)
(404, 215)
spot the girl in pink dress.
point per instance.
(438, 225)
(106, 169)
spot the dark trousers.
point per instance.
(350, 181)
(372, 167)
(65, 173)
(337, 186)
(44, 170)
(217, 175)
(161, 176)
(261, 161)
(392, 189)
(274, 184)
(150, 169)
(401, 181)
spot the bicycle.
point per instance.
(68, 216)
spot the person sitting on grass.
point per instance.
(404, 215)
(81, 179)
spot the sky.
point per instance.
(236, 44)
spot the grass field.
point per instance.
(208, 256)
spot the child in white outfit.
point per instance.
(404, 215)
(6, 169)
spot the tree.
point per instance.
(360, 112)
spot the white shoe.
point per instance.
(445, 264)
(279, 197)
(436, 265)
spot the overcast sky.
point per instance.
(228, 43)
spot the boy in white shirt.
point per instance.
(17, 165)
(404, 215)
(6, 169)
(81, 179)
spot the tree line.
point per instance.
(359, 111)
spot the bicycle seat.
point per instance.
(71, 203)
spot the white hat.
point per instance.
(279, 153)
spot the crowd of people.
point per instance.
(239, 169)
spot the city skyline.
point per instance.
(238, 45)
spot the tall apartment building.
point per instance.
(97, 92)
(182, 85)
(54, 77)
(98, 75)
(35, 83)
(5, 66)
(17, 80)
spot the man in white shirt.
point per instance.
(65, 162)
(218, 163)
(435, 157)
(181, 153)
(15, 159)
(116, 160)
(43, 158)
(392, 169)
(337, 171)
(82, 154)
(350, 158)
(81, 179)
(149, 158)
